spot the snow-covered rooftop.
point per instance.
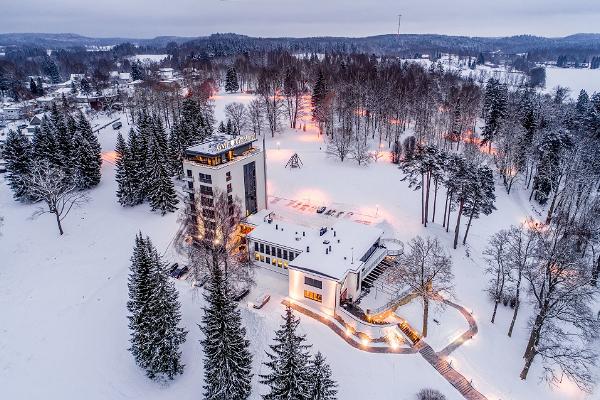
(338, 250)
(217, 144)
(329, 251)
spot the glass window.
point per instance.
(207, 190)
(262, 248)
(292, 256)
(229, 189)
(228, 176)
(189, 173)
(313, 282)
(255, 246)
(285, 255)
(190, 185)
(279, 252)
(313, 296)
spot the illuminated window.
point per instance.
(280, 263)
(313, 296)
(262, 258)
(257, 256)
(274, 262)
(285, 264)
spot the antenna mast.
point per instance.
(399, 20)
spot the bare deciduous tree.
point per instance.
(236, 113)
(52, 186)
(256, 115)
(339, 144)
(426, 269)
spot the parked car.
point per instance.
(200, 282)
(117, 125)
(241, 294)
(180, 272)
(261, 300)
(173, 268)
(321, 210)
(330, 212)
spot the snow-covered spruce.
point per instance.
(154, 314)
(227, 359)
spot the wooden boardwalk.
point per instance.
(436, 360)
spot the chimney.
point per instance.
(329, 247)
(303, 233)
(334, 233)
(276, 227)
(326, 250)
(307, 249)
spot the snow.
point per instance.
(149, 58)
(62, 299)
(573, 78)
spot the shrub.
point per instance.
(430, 394)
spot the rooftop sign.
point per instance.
(237, 141)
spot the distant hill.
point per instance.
(587, 43)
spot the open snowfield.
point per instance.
(62, 299)
(573, 78)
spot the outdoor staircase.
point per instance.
(461, 384)
(375, 273)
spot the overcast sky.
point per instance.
(269, 18)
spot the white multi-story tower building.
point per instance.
(229, 164)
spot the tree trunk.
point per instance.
(445, 210)
(449, 212)
(534, 335)
(60, 229)
(517, 304)
(422, 199)
(468, 225)
(595, 273)
(435, 190)
(457, 228)
(528, 362)
(428, 179)
(425, 315)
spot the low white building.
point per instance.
(166, 73)
(325, 266)
(12, 113)
(230, 164)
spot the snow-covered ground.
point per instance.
(62, 299)
(148, 58)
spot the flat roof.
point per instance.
(217, 144)
(349, 242)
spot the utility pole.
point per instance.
(399, 20)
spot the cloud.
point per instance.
(149, 18)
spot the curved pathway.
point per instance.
(436, 360)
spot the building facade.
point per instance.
(325, 266)
(226, 164)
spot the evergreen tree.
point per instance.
(86, 88)
(51, 70)
(33, 87)
(18, 156)
(289, 375)
(44, 143)
(137, 177)
(222, 128)
(161, 193)
(137, 72)
(318, 95)
(231, 81)
(481, 197)
(480, 59)
(494, 109)
(40, 86)
(154, 314)
(87, 155)
(228, 362)
(323, 387)
(229, 128)
(123, 173)
(64, 141)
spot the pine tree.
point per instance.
(137, 177)
(481, 197)
(154, 314)
(161, 193)
(222, 128)
(318, 95)
(289, 375)
(64, 140)
(228, 362)
(231, 81)
(494, 110)
(323, 387)
(87, 155)
(123, 173)
(33, 87)
(40, 86)
(137, 72)
(44, 143)
(18, 156)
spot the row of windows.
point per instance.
(276, 262)
(313, 282)
(275, 251)
(313, 296)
